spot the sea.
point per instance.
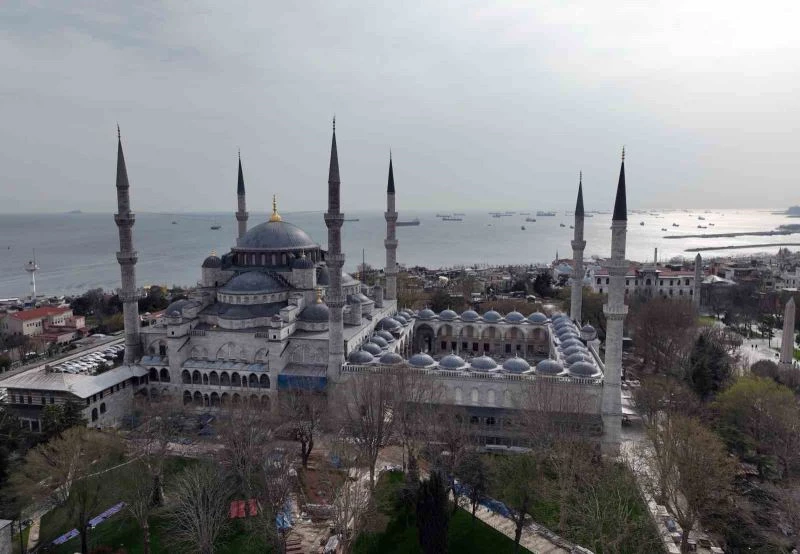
(76, 251)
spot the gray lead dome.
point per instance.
(360, 357)
(253, 282)
(276, 235)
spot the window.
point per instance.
(600, 290)
(43, 401)
(52, 400)
(444, 345)
(627, 282)
(464, 346)
(453, 346)
(490, 421)
(607, 280)
(474, 346)
(508, 348)
(29, 399)
(598, 280)
(687, 282)
(102, 407)
(485, 346)
(661, 284)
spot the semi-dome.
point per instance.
(385, 335)
(537, 317)
(323, 276)
(212, 262)
(303, 262)
(516, 365)
(451, 361)
(372, 348)
(391, 358)
(492, 316)
(360, 357)
(426, 314)
(549, 367)
(276, 235)
(380, 341)
(583, 369)
(470, 315)
(253, 282)
(515, 317)
(447, 315)
(387, 324)
(315, 313)
(483, 363)
(421, 360)
(176, 308)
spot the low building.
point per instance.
(48, 324)
(649, 280)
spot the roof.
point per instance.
(82, 386)
(240, 183)
(253, 282)
(621, 202)
(579, 203)
(276, 235)
(390, 186)
(39, 313)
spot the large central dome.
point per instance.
(276, 235)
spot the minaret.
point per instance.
(391, 238)
(578, 244)
(335, 260)
(787, 341)
(241, 212)
(32, 268)
(127, 257)
(698, 278)
(615, 311)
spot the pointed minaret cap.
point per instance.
(579, 203)
(122, 171)
(240, 184)
(333, 171)
(621, 203)
(390, 186)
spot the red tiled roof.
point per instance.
(39, 313)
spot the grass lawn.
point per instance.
(399, 536)
(706, 321)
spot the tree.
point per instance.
(417, 395)
(305, 409)
(57, 418)
(452, 430)
(247, 436)
(760, 420)
(543, 285)
(474, 473)
(200, 513)
(517, 480)
(432, 515)
(663, 330)
(351, 500)
(694, 468)
(440, 300)
(71, 470)
(136, 486)
(661, 396)
(368, 400)
(709, 366)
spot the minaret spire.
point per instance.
(127, 258)
(241, 212)
(578, 245)
(615, 311)
(335, 260)
(391, 237)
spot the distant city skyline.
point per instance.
(484, 108)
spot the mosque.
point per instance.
(276, 312)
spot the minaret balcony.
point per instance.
(125, 219)
(127, 258)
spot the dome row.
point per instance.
(491, 316)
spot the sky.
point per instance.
(484, 105)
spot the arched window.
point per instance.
(224, 399)
(164, 375)
(265, 401)
(237, 399)
(214, 399)
(253, 380)
(474, 395)
(264, 381)
(490, 398)
(235, 380)
(186, 377)
(102, 407)
(196, 377)
(205, 379)
(198, 398)
(153, 374)
(94, 414)
(213, 378)
(187, 397)
(224, 379)
(459, 395)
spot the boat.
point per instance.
(523, 227)
(174, 222)
(675, 225)
(449, 218)
(458, 213)
(571, 227)
(641, 223)
(442, 215)
(530, 219)
(352, 219)
(562, 225)
(702, 227)
(545, 214)
(411, 223)
(663, 228)
(701, 218)
(524, 213)
(216, 227)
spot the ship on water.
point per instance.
(545, 214)
(450, 218)
(530, 219)
(411, 223)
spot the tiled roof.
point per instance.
(39, 313)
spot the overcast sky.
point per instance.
(484, 104)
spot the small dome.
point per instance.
(421, 360)
(407, 313)
(176, 308)
(516, 365)
(391, 358)
(483, 363)
(303, 262)
(387, 324)
(573, 349)
(360, 357)
(537, 317)
(561, 324)
(549, 367)
(583, 369)
(558, 316)
(515, 317)
(447, 315)
(253, 282)
(315, 313)
(323, 276)
(588, 332)
(470, 315)
(400, 318)
(451, 361)
(212, 262)
(564, 334)
(380, 341)
(372, 348)
(426, 314)
(385, 335)
(492, 316)
(576, 357)
(570, 342)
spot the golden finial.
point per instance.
(213, 251)
(274, 216)
(319, 295)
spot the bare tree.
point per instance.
(304, 410)
(518, 480)
(200, 512)
(417, 396)
(453, 433)
(368, 403)
(694, 468)
(664, 330)
(247, 433)
(70, 470)
(136, 485)
(351, 500)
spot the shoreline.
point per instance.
(741, 246)
(733, 235)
